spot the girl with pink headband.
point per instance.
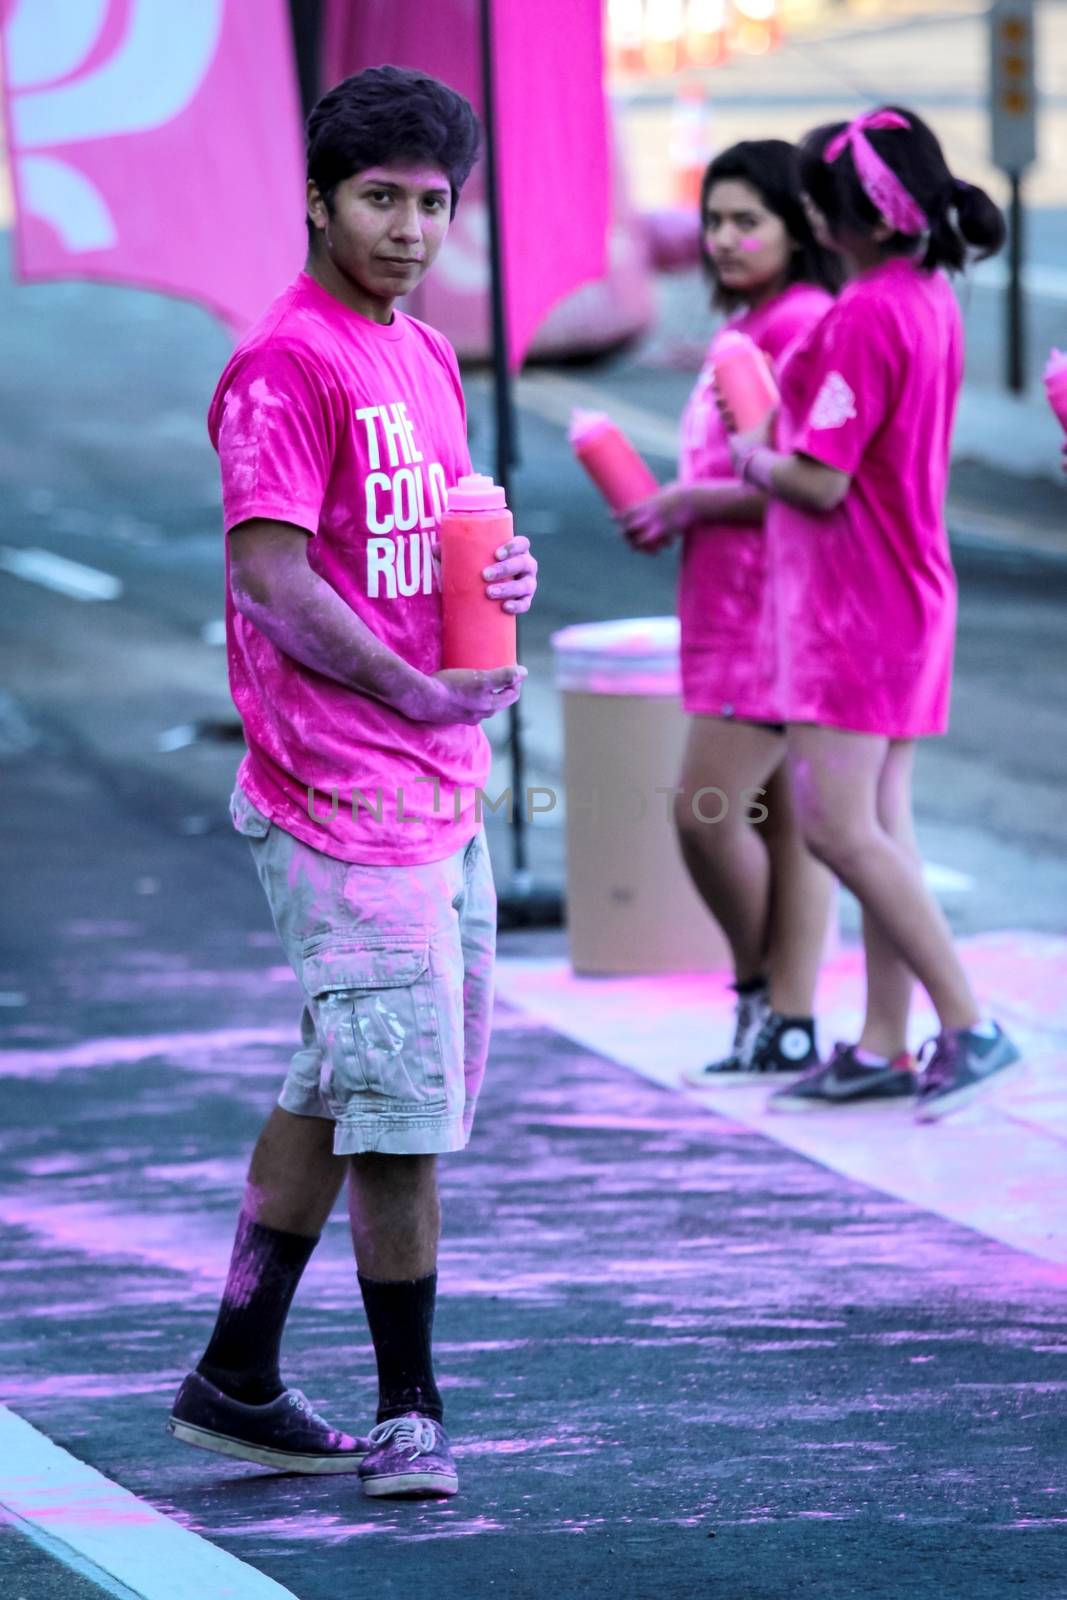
(747, 860)
(862, 595)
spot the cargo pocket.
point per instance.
(249, 822)
(377, 1021)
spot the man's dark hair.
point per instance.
(388, 114)
(771, 167)
(961, 215)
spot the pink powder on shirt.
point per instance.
(864, 600)
(727, 658)
(351, 431)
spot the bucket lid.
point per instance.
(475, 492)
(634, 655)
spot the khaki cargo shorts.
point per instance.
(396, 964)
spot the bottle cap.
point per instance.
(475, 492)
(731, 342)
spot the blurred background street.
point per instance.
(146, 1014)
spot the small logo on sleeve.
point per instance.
(835, 404)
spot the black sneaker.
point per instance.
(843, 1081)
(785, 1044)
(285, 1434)
(963, 1064)
(751, 1013)
(410, 1459)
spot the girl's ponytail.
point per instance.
(979, 219)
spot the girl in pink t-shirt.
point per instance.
(862, 592)
(744, 853)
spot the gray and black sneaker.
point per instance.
(751, 1013)
(410, 1459)
(845, 1081)
(285, 1434)
(964, 1062)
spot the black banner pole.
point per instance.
(505, 418)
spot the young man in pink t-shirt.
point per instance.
(340, 424)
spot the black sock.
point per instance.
(265, 1268)
(750, 986)
(401, 1324)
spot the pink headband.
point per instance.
(881, 185)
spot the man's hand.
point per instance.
(513, 580)
(459, 695)
(653, 523)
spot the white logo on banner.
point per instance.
(835, 404)
(154, 72)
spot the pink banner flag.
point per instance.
(552, 155)
(158, 144)
(552, 148)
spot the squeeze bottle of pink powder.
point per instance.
(1056, 385)
(611, 460)
(478, 632)
(745, 379)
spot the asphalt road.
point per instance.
(677, 1359)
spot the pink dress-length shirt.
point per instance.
(727, 660)
(863, 601)
(351, 431)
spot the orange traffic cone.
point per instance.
(706, 43)
(757, 26)
(626, 36)
(689, 150)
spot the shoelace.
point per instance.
(299, 1401)
(748, 1009)
(416, 1434)
(766, 1034)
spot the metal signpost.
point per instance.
(1013, 106)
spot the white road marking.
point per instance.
(553, 398)
(107, 1534)
(946, 880)
(54, 572)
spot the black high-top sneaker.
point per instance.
(751, 1012)
(784, 1044)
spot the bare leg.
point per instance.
(836, 776)
(890, 981)
(801, 896)
(294, 1177)
(727, 858)
(395, 1213)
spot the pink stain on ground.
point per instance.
(193, 1245)
(191, 1049)
(87, 1386)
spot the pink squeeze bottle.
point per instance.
(478, 632)
(611, 460)
(1056, 385)
(745, 380)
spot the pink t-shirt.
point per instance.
(864, 600)
(727, 668)
(351, 431)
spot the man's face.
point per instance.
(386, 227)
